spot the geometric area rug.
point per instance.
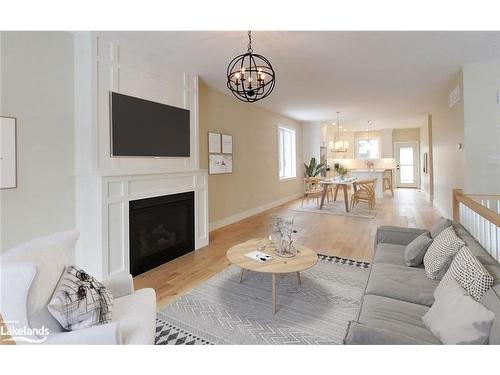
(222, 311)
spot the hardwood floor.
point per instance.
(343, 236)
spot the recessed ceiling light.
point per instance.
(345, 130)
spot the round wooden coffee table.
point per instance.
(305, 258)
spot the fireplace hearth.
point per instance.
(161, 229)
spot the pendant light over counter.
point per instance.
(250, 76)
(340, 145)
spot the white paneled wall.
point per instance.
(104, 184)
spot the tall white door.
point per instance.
(407, 170)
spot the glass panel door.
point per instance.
(407, 168)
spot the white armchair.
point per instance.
(30, 273)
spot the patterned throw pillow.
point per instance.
(438, 257)
(468, 271)
(80, 301)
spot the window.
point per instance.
(368, 149)
(286, 153)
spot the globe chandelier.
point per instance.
(250, 76)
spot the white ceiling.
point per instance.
(391, 78)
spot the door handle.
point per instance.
(397, 167)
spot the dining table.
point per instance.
(337, 182)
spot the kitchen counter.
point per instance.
(378, 170)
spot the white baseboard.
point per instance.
(254, 211)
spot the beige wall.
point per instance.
(37, 88)
(449, 161)
(482, 127)
(406, 135)
(311, 140)
(254, 182)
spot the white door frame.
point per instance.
(417, 163)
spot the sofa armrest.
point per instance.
(104, 334)
(359, 334)
(397, 235)
(120, 286)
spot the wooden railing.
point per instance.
(480, 215)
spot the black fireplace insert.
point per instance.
(161, 229)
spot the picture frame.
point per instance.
(214, 143)
(220, 164)
(227, 144)
(8, 152)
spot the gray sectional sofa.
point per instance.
(397, 296)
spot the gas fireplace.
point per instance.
(161, 229)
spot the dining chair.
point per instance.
(387, 181)
(364, 191)
(312, 188)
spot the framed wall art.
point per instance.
(227, 144)
(220, 164)
(214, 143)
(220, 153)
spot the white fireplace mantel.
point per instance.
(104, 184)
(104, 215)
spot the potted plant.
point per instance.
(313, 169)
(336, 167)
(282, 231)
(341, 170)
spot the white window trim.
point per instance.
(294, 155)
(379, 139)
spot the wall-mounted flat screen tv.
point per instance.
(143, 128)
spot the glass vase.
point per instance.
(285, 248)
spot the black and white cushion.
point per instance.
(468, 271)
(438, 257)
(80, 301)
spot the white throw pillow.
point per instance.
(455, 318)
(80, 301)
(438, 257)
(467, 271)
